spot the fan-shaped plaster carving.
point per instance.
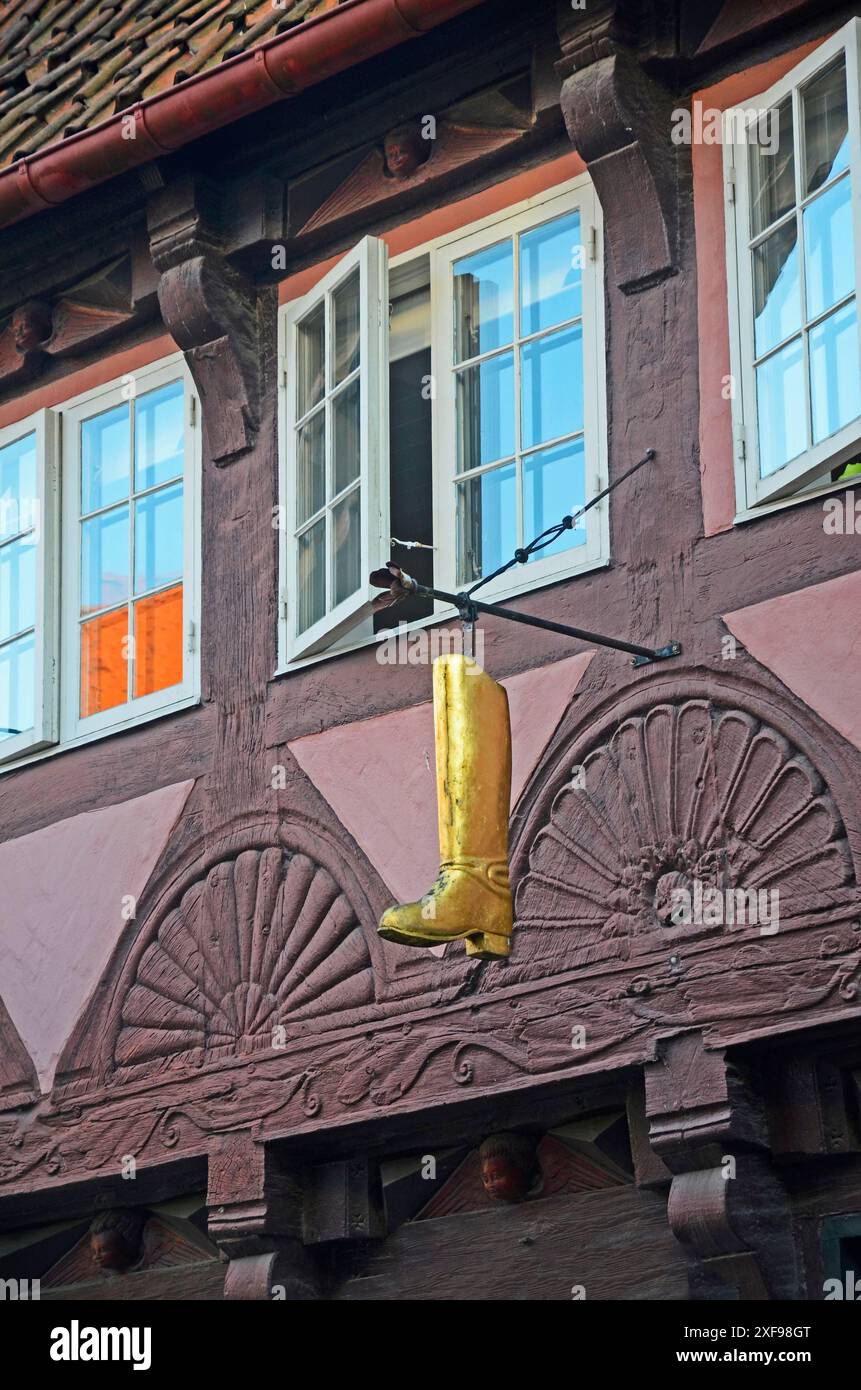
(686, 793)
(266, 941)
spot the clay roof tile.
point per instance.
(67, 64)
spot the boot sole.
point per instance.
(480, 945)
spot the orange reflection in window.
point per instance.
(104, 667)
(158, 641)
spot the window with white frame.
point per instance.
(27, 594)
(794, 251)
(456, 399)
(98, 605)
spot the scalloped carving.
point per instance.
(266, 939)
(687, 792)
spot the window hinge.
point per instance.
(593, 244)
(192, 636)
(740, 443)
(192, 410)
(730, 185)
(282, 367)
(283, 604)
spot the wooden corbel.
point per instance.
(619, 121)
(726, 1202)
(255, 1219)
(219, 319)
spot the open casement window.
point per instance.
(28, 518)
(793, 172)
(519, 370)
(335, 486)
(129, 583)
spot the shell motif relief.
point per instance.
(689, 793)
(266, 939)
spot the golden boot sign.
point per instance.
(470, 897)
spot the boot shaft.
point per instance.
(473, 760)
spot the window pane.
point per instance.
(17, 687)
(485, 412)
(777, 294)
(550, 274)
(158, 538)
(826, 126)
(829, 256)
(348, 449)
(17, 586)
(105, 559)
(554, 485)
(346, 314)
(781, 408)
(486, 522)
(311, 575)
(834, 380)
(311, 360)
(159, 435)
(18, 502)
(104, 664)
(483, 301)
(347, 541)
(552, 386)
(772, 173)
(105, 458)
(311, 467)
(158, 641)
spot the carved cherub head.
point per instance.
(115, 1238)
(508, 1167)
(405, 151)
(31, 325)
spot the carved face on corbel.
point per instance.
(405, 151)
(31, 325)
(508, 1167)
(115, 1240)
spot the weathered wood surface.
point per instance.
(183, 1284)
(616, 1244)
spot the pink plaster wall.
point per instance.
(378, 774)
(779, 631)
(61, 899)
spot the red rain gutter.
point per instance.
(319, 48)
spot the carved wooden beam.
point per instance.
(219, 319)
(619, 121)
(726, 1202)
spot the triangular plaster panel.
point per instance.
(61, 911)
(378, 774)
(811, 640)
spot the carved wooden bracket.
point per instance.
(726, 1202)
(219, 319)
(255, 1214)
(619, 121)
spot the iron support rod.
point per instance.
(463, 602)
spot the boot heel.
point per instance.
(488, 946)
